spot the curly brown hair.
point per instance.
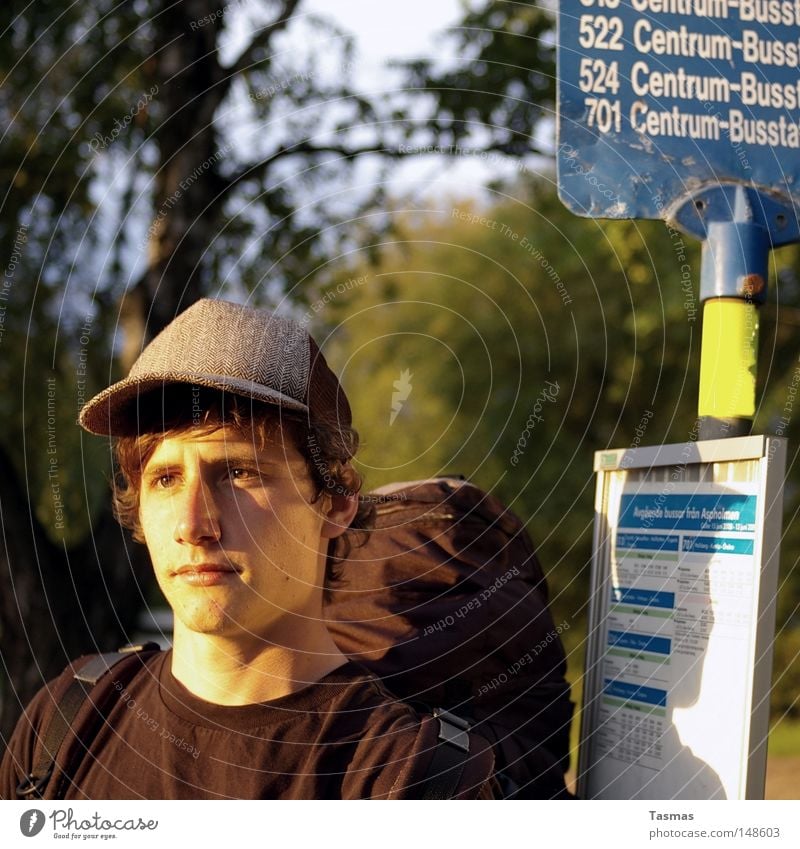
(327, 452)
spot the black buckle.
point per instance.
(32, 787)
(452, 729)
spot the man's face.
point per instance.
(235, 541)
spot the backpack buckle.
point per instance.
(32, 787)
(452, 729)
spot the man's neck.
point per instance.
(231, 671)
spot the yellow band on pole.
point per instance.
(728, 357)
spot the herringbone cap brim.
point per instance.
(233, 348)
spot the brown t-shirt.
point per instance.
(344, 737)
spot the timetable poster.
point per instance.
(681, 608)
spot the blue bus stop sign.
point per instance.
(659, 100)
(689, 111)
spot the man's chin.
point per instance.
(208, 619)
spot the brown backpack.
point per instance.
(447, 603)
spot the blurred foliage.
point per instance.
(784, 742)
(786, 673)
(501, 85)
(57, 68)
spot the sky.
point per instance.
(410, 29)
(390, 30)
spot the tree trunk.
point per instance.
(187, 184)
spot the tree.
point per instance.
(152, 155)
(499, 93)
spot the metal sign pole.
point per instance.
(738, 226)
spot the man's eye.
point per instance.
(240, 474)
(164, 481)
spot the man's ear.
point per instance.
(340, 512)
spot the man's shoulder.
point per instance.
(60, 713)
(48, 697)
(355, 683)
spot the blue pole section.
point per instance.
(735, 261)
(739, 226)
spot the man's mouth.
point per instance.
(206, 574)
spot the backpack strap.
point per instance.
(447, 765)
(66, 709)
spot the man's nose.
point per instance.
(197, 521)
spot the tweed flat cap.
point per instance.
(233, 348)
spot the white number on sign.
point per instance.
(603, 114)
(603, 4)
(601, 33)
(599, 77)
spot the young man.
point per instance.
(234, 442)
